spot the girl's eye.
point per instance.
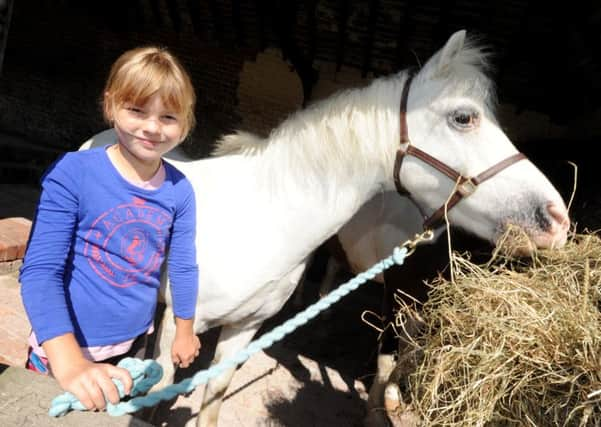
(464, 119)
(170, 118)
(134, 110)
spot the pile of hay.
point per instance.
(511, 342)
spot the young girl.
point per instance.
(106, 219)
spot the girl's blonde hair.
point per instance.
(140, 73)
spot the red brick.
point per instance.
(14, 233)
(14, 350)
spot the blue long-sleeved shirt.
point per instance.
(93, 261)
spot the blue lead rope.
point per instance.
(148, 372)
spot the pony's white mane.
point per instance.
(343, 134)
(240, 142)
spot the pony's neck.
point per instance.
(340, 150)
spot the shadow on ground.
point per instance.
(339, 343)
(337, 340)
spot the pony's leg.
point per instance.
(387, 348)
(301, 291)
(385, 401)
(328, 282)
(376, 414)
(162, 353)
(299, 294)
(162, 348)
(231, 340)
(423, 265)
(318, 270)
(398, 413)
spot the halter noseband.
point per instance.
(465, 185)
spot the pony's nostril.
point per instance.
(542, 218)
(559, 215)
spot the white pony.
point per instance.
(263, 208)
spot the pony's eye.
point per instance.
(464, 119)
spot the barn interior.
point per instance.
(253, 62)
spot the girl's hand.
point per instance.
(91, 382)
(185, 348)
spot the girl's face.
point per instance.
(148, 131)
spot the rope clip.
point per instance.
(427, 235)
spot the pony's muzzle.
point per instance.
(547, 228)
(553, 228)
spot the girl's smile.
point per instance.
(145, 133)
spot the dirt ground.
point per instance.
(317, 376)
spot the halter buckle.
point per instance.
(467, 187)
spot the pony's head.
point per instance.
(450, 117)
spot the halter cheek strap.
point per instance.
(465, 185)
(404, 137)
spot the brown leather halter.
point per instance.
(465, 185)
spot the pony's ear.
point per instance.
(450, 51)
(440, 65)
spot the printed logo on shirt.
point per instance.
(127, 242)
